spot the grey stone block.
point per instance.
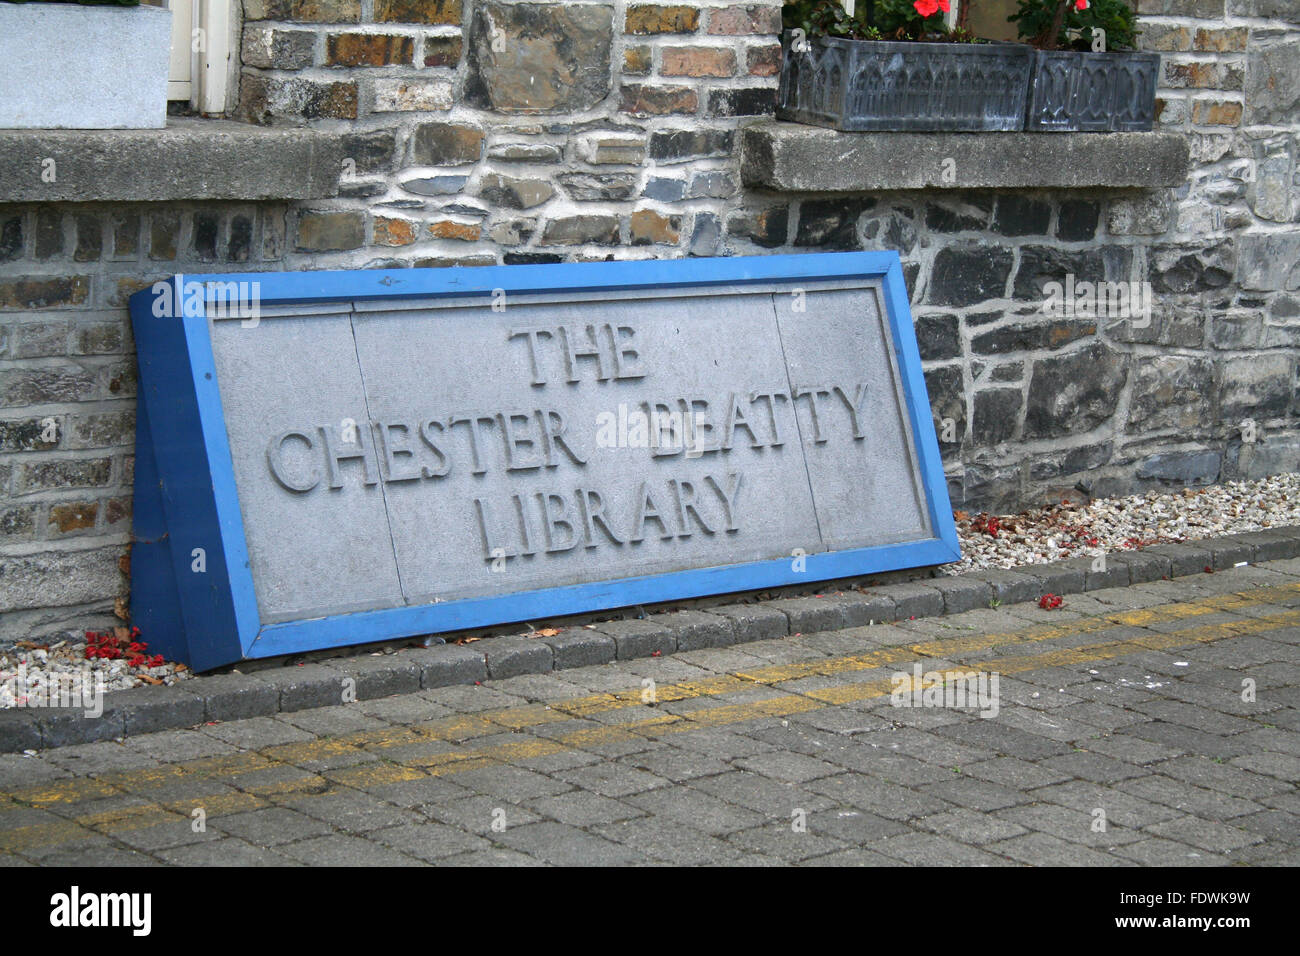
(189, 160)
(1184, 559)
(146, 710)
(1110, 574)
(1270, 545)
(380, 676)
(696, 629)
(63, 727)
(914, 600)
(237, 697)
(19, 730)
(308, 685)
(447, 664)
(1010, 587)
(961, 593)
(790, 157)
(808, 615)
(1228, 552)
(637, 638)
(580, 647)
(754, 622)
(1144, 567)
(867, 607)
(1059, 577)
(512, 656)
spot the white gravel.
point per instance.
(1067, 530)
(34, 674)
(32, 671)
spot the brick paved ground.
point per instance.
(1124, 708)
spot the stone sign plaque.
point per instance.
(335, 458)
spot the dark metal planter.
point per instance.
(1092, 92)
(892, 86)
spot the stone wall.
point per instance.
(613, 135)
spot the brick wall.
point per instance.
(614, 135)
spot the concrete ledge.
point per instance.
(270, 691)
(791, 157)
(191, 159)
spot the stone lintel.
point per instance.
(191, 159)
(791, 157)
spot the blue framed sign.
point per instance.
(335, 458)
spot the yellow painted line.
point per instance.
(465, 727)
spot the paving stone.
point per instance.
(878, 797)
(238, 696)
(332, 721)
(853, 857)
(1010, 587)
(1221, 778)
(961, 593)
(174, 746)
(784, 842)
(636, 638)
(256, 733)
(338, 849)
(1273, 825)
(1158, 852)
(1094, 767)
(787, 766)
(449, 664)
(579, 647)
(1042, 849)
(1183, 796)
(307, 685)
(270, 827)
(380, 675)
(1282, 766)
(913, 600)
(1014, 772)
(1184, 558)
(511, 656)
(351, 812)
(669, 840)
(1206, 834)
(867, 607)
(478, 814)
(579, 808)
(60, 727)
(696, 809)
(755, 622)
(810, 615)
(773, 798)
(1121, 808)
(928, 849)
(969, 826)
(1227, 553)
(975, 794)
(1002, 740)
(1144, 566)
(84, 759)
(432, 842)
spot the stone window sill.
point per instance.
(190, 159)
(791, 157)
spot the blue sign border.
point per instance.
(185, 495)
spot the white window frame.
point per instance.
(203, 77)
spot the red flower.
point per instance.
(1049, 602)
(1081, 4)
(926, 8)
